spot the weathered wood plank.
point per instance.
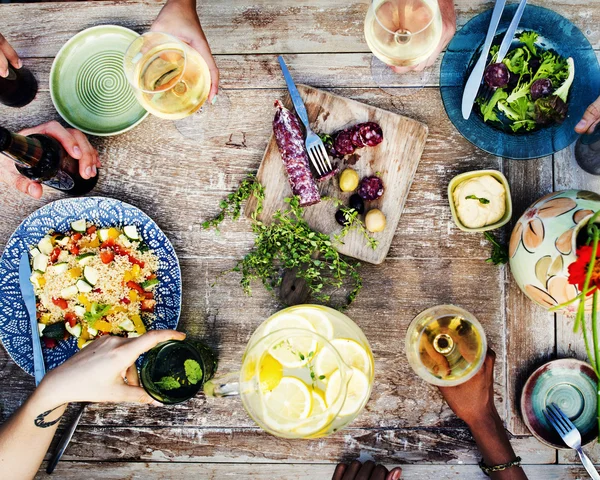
(178, 471)
(396, 290)
(530, 330)
(243, 445)
(317, 26)
(179, 183)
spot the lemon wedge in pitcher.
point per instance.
(352, 353)
(294, 351)
(358, 389)
(291, 400)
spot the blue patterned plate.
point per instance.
(556, 33)
(103, 212)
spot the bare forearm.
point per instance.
(26, 436)
(495, 447)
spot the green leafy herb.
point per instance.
(168, 383)
(353, 222)
(321, 377)
(312, 375)
(483, 201)
(193, 371)
(231, 206)
(529, 39)
(301, 356)
(499, 254)
(97, 311)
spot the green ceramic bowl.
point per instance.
(478, 173)
(88, 84)
(568, 383)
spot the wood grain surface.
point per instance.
(395, 161)
(179, 182)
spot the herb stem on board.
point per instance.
(353, 222)
(483, 201)
(499, 255)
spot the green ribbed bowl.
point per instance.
(88, 84)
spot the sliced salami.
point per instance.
(370, 188)
(357, 140)
(343, 142)
(370, 133)
(290, 142)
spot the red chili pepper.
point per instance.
(74, 249)
(135, 261)
(107, 256)
(60, 302)
(148, 305)
(135, 286)
(125, 300)
(49, 342)
(148, 295)
(91, 230)
(76, 237)
(54, 255)
(71, 318)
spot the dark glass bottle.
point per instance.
(18, 88)
(43, 159)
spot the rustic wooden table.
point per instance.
(179, 183)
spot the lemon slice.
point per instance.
(291, 400)
(317, 319)
(316, 423)
(295, 351)
(352, 353)
(358, 388)
(270, 373)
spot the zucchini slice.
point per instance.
(59, 268)
(45, 245)
(34, 252)
(131, 232)
(83, 287)
(103, 234)
(40, 263)
(69, 292)
(91, 275)
(35, 279)
(85, 258)
(79, 226)
(127, 325)
(75, 331)
(149, 284)
(79, 310)
(63, 241)
(92, 331)
(124, 240)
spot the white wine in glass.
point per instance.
(170, 79)
(403, 33)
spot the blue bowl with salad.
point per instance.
(529, 103)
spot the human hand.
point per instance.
(448, 31)
(590, 118)
(180, 19)
(98, 372)
(474, 399)
(75, 143)
(365, 471)
(8, 55)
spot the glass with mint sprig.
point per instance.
(593, 238)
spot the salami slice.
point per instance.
(370, 188)
(333, 173)
(290, 142)
(370, 133)
(343, 142)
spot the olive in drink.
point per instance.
(446, 345)
(43, 159)
(18, 88)
(175, 371)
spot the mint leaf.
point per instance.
(193, 371)
(168, 383)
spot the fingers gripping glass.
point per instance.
(402, 33)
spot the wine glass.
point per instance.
(587, 152)
(171, 80)
(402, 33)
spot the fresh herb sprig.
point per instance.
(352, 223)
(231, 206)
(499, 255)
(482, 200)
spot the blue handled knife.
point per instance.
(39, 368)
(294, 94)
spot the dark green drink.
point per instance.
(175, 371)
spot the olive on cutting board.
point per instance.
(375, 220)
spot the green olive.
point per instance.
(348, 180)
(375, 220)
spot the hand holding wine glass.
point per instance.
(590, 119)
(180, 19)
(75, 143)
(8, 56)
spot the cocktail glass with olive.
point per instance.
(175, 371)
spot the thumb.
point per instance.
(590, 118)
(11, 177)
(130, 394)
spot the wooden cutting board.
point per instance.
(395, 159)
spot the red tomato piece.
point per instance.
(125, 300)
(97, 290)
(135, 286)
(108, 244)
(119, 250)
(54, 255)
(107, 256)
(49, 342)
(74, 249)
(149, 295)
(148, 305)
(76, 237)
(71, 318)
(91, 230)
(135, 261)
(152, 276)
(60, 302)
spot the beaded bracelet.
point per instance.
(498, 468)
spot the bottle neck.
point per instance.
(25, 151)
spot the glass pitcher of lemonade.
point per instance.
(307, 372)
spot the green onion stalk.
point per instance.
(594, 356)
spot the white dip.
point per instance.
(487, 208)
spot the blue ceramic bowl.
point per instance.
(556, 33)
(103, 212)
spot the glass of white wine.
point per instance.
(171, 80)
(445, 345)
(402, 33)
